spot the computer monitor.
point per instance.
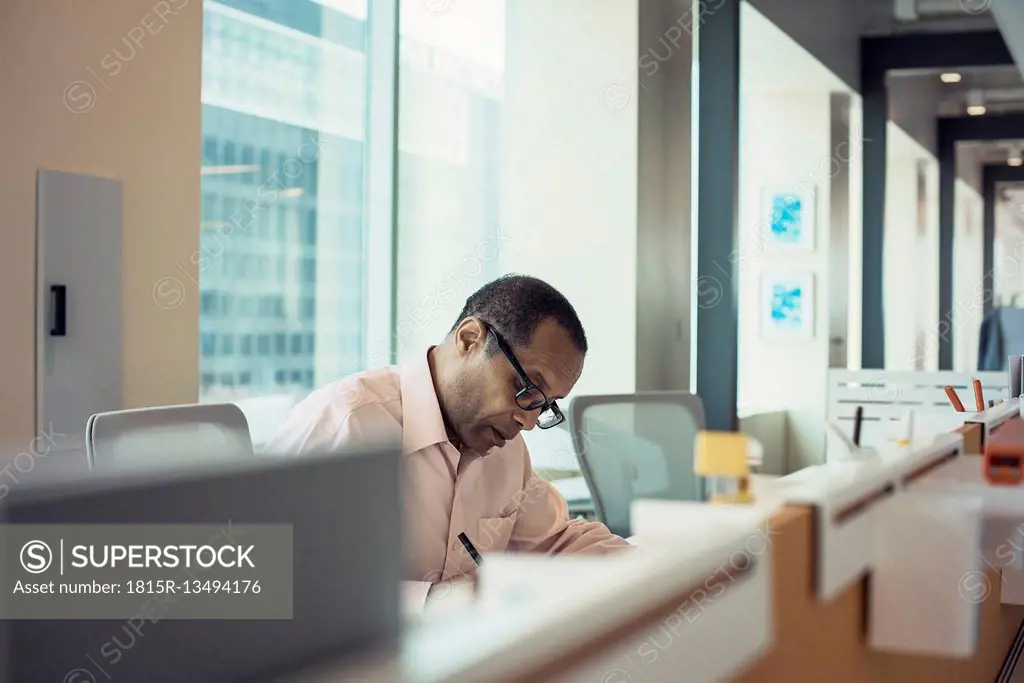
(347, 556)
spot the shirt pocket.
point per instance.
(493, 533)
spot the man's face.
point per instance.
(486, 414)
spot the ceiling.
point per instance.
(1009, 15)
(936, 16)
(1000, 89)
(772, 62)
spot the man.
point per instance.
(516, 348)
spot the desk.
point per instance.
(812, 641)
(589, 613)
(577, 493)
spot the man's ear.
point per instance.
(470, 336)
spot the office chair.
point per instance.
(633, 446)
(165, 434)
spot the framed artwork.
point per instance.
(788, 215)
(787, 305)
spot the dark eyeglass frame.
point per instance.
(543, 405)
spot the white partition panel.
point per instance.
(79, 356)
(887, 396)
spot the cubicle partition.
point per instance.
(903, 563)
(887, 396)
(889, 571)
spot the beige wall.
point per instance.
(134, 117)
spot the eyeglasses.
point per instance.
(530, 397)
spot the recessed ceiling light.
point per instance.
(951, 77)
(975, 103)
(1014, 161)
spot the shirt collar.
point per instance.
(422, 422)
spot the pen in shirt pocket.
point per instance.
(470, 548)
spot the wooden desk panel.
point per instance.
(972, 433)
(816, 641)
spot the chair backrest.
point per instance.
(633, 446)
(265, 414)
(886, 396)
(146, 435)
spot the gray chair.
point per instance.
(632, 446)
(167, 434)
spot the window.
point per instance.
(307, 309)
(249, 161)
(229, 153)
(211, 155)
(308, 270)
(208, 304)
(265, 169)
(208, 343)
(451, 78)
(309, 228)
(287, 112)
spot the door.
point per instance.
(78, 303)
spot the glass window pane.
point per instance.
(281, 82)
(451, 91)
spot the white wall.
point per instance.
(828, 29)
(855, 303)
(569, 168)
(968, 276)
(140, 125)
(785, 137)
(911, 259)
(785, 141)
(1008, 262)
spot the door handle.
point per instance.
(58, 306)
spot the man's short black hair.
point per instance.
(514, 305)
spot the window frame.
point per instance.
(380, 161)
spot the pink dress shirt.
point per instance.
(496, 499)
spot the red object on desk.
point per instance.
(979, 397)
(1004, 454)
(954, 399)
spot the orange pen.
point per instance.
(979, 398)
(954, 399)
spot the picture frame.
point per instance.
(789, 218)
(787, 305)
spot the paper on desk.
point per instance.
(514, 580)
